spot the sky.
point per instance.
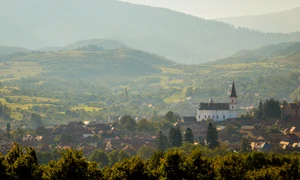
(212, 9)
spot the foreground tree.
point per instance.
(212, 136)
(72, 165)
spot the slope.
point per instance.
(283, 22)
(104, 43)
(286, 53)
(176, 36)
(83, 63)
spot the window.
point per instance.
(232, 100)
(209, 116)
(199, 117)
(205, 116)
(223, 117)
(232, 107)
(217, 117)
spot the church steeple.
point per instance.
(233, 92)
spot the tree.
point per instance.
(245, 144)
(169, 116)
(189, 136)
(144, 125)
(175, 137)
(212, 136)
(8, 127)
(145, 152)
(162, 142)
(72, 165)
(272, 109)
(128, 123)
(36, 120)
(260, 111)
(100, 158)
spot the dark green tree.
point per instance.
(72, 165)
(162, 142)
(212, 136)
(175, 137)
(8, 127)
(128, 123)
(260, 111)
(272, 109)
(36, 120)
(189, 136)
(100, 158)
(169, 116)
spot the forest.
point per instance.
(23, 163)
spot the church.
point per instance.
(219, 111)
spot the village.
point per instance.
(272, 134)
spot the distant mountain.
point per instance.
(11, 34)
(5, 50)
(104, 43)
(176, 36)
(284, 21)
(289, 52)
(95, 63)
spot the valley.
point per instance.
(104, 82)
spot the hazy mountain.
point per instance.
(5, 50)
(176, 36)
(104, 43)
(12, 34)
(289, 52)
(95, 63)
(284, 21)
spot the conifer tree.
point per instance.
(175, 137)
(189, 136)
(162, 142)
(212, 136)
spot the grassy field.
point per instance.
(87, 108)
(16, 70)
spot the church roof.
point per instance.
(214, 106)
(233, 92)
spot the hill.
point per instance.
(283, 22)
(287, 52)
(90, 62)
(104, 43)
(5, 50)
(176, 36)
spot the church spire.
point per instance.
(233, 93)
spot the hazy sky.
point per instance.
(222, 8)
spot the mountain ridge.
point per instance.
(177, 36)
(277, 22)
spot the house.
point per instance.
(293, 130)
(261, 146)
(291, 111)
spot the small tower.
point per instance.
(233, 98)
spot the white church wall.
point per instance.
(216, 115)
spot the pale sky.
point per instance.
(210, 9)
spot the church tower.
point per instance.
(233, 99)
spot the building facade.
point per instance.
(219, 111)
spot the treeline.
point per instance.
(270, 108)
(22, 163)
